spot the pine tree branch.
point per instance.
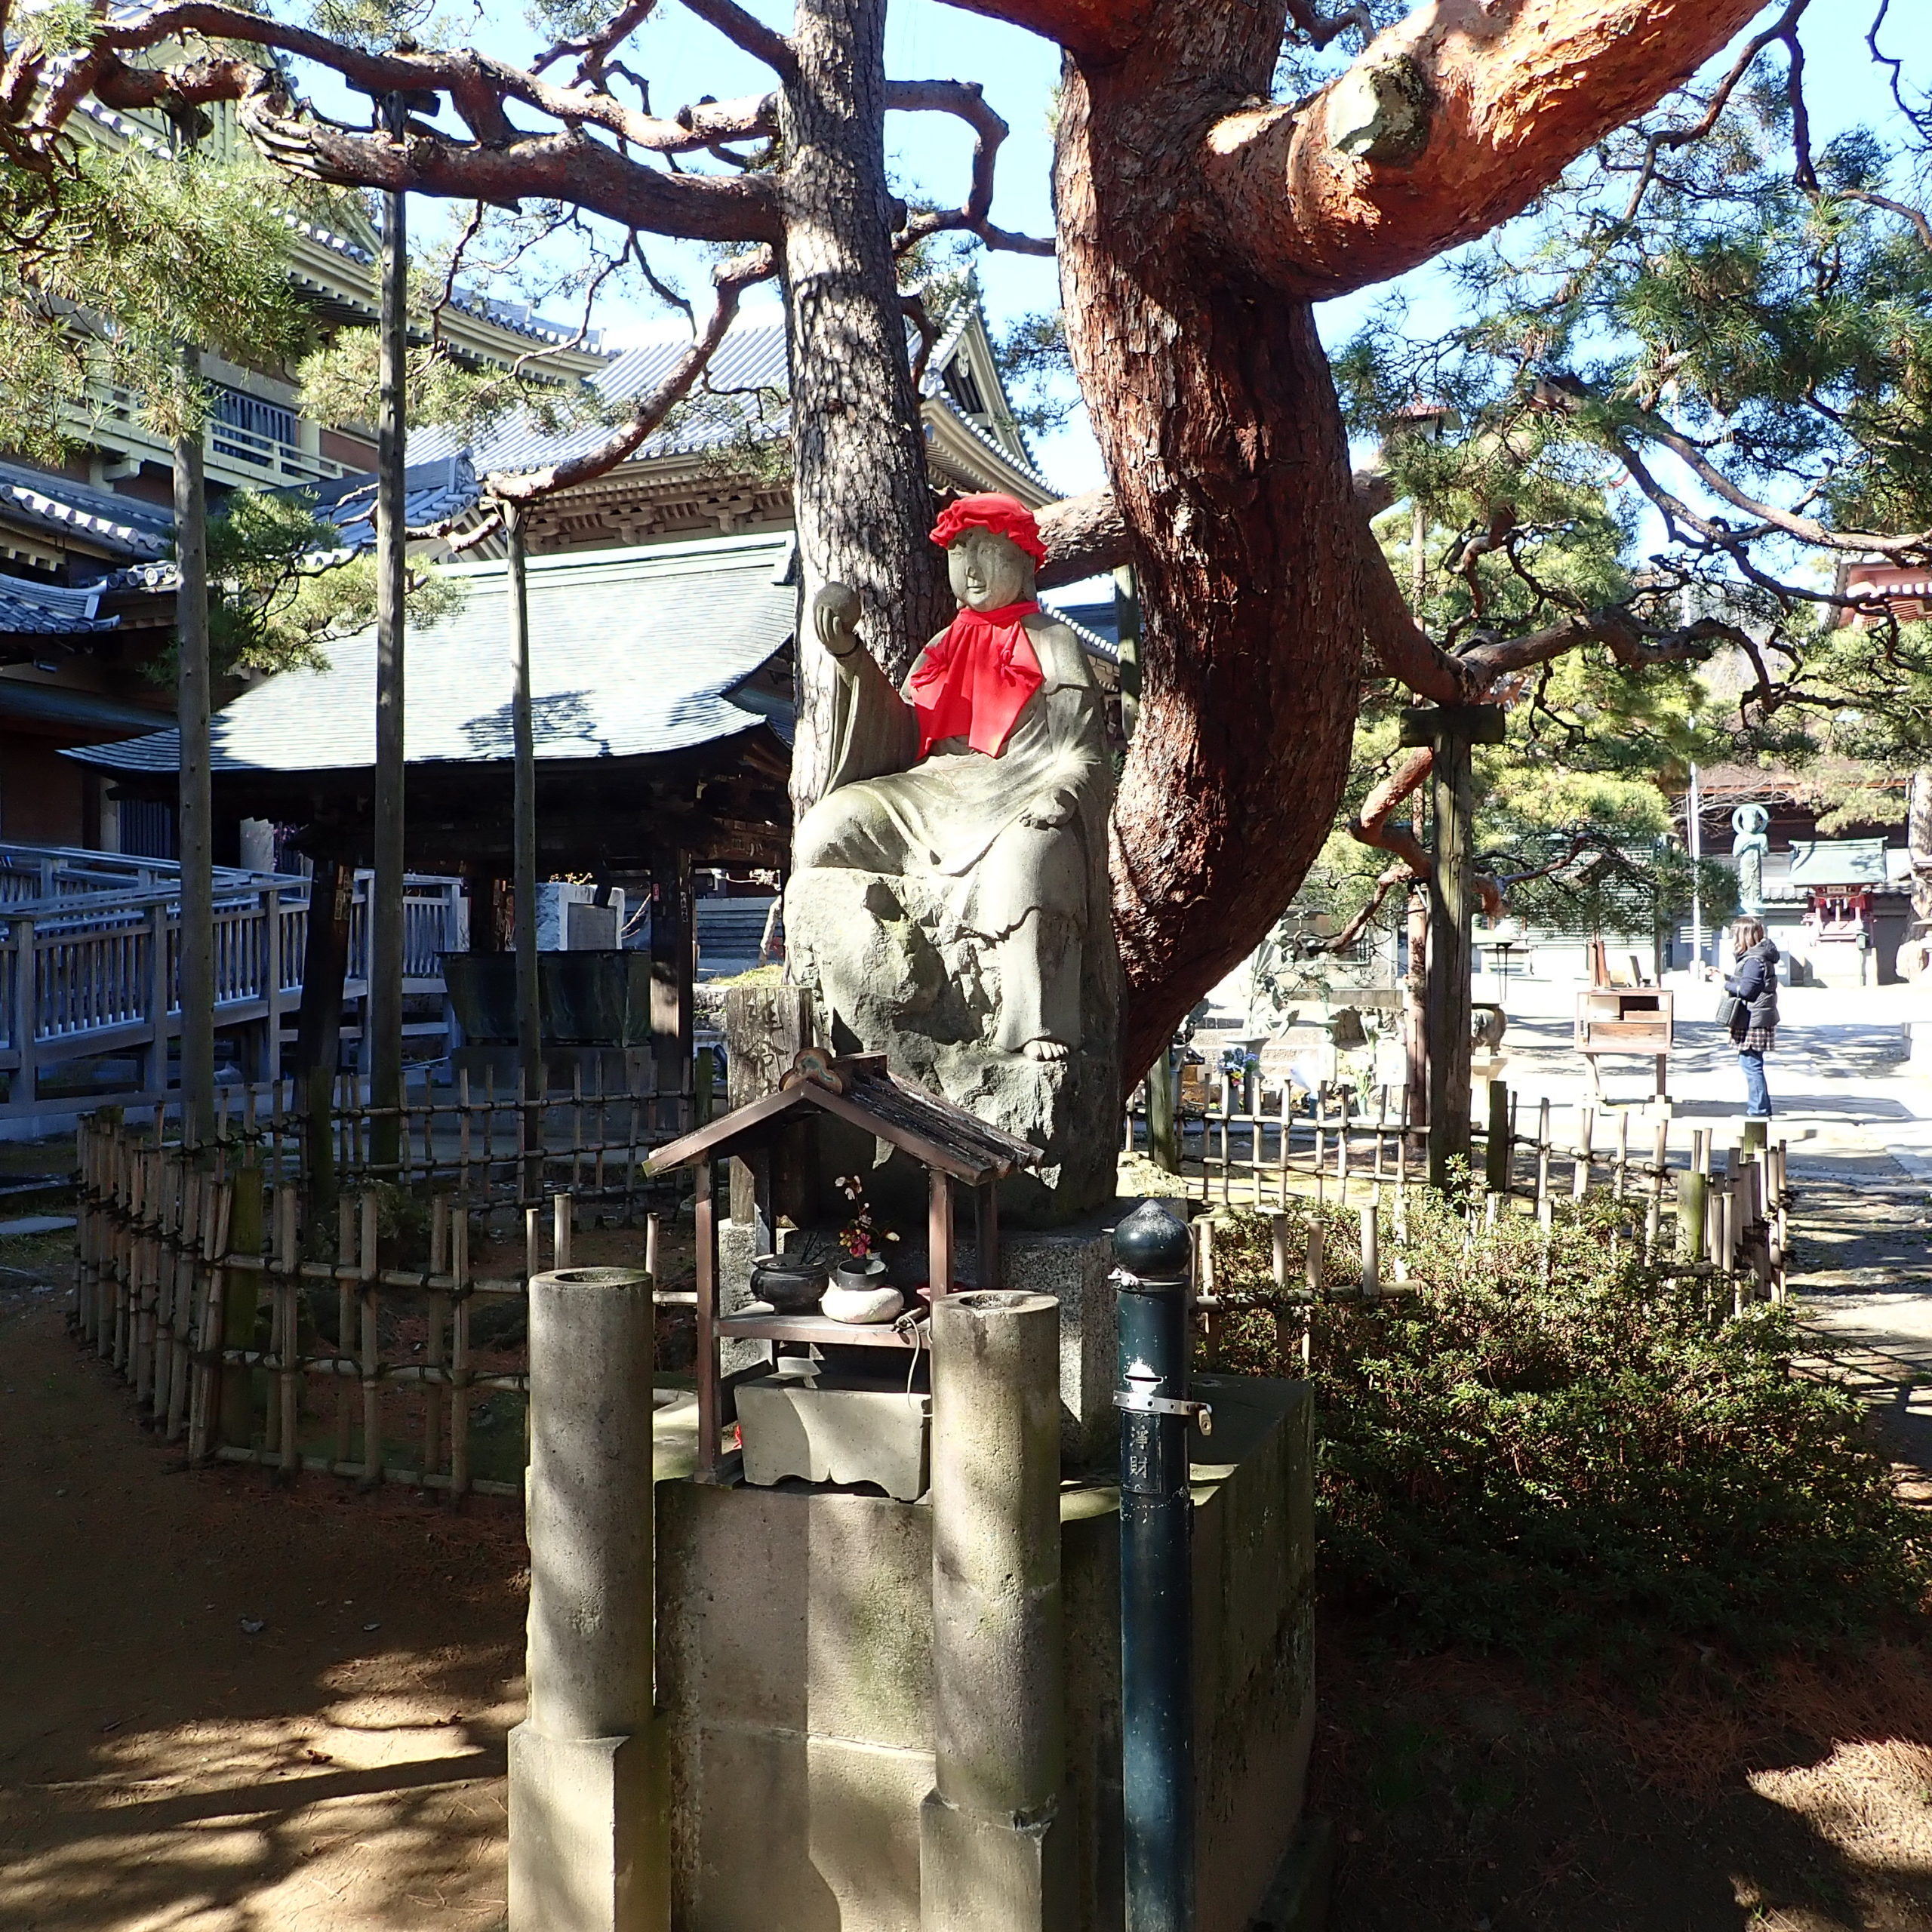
(968, 102)
(745, 30)
(731, 279)
(1452, 121)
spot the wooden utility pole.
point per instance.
(1450, 732)
(318, 1029)
(196, 948)
(523, 842)
(383, 1010)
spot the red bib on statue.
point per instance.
(976, 677)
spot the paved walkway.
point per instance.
(1857, 1123)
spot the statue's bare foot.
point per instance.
(1043, 1049)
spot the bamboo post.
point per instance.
(561, 1208)
(1371, 1255)
(1659, 1173)
(371, 1361)
(651, 1225)
(1582, 1155)
(1543, 1152)
(1692, 1206)
(532, 1245)
(288, 1343)
(239, 1307)
(1208, 1288)
(346, 1272)
(1281, 1262)
(1622, 1168)
(435, 1389)
(203, 1408)
(460, 1353)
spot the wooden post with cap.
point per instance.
(1450, 732)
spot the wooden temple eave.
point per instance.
(725, 802)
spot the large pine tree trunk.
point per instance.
(1212, 400)
(863, 504)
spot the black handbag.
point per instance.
(1729, 1007)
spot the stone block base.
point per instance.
(826, 1429)
(587, 1836)
(1071, 1264)
(794, 1670)
(977, 1871)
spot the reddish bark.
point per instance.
(1191, 223)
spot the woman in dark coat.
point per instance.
(1754, 1025)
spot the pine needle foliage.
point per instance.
(112, 262)
(1594, 1455)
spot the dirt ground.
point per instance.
(227, 1709)
(1476, 1796)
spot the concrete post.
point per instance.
(988, 1857)
(587, 1831)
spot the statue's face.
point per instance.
(987, 570)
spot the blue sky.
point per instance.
(685, 59)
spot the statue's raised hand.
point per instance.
(834, 615)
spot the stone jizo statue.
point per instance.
(949, 895)
(1751, 824)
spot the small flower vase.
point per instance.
(861, 1271)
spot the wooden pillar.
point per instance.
(195, 810)
(1163, 1112)
(523, 813)
(938, 1233)
(318, 1024)
(1451, 732)
(381, 1010)
(672, 964)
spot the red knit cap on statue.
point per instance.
(991, 511)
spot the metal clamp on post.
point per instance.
(1139, 1402)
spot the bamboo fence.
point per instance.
(256, 1330)
(1719, 1216)
(199, 1280)
(487, 1143)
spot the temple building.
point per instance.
(86, 602)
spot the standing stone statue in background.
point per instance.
(949, 901)
(1750, 824)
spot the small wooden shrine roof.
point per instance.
(860, 1089)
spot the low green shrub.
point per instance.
(1534, 1457)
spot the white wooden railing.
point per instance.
(91, 966)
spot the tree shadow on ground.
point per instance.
(1474, 1793)
(227, 1707)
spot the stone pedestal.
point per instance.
(587, 1829)
(1071, 1264)
(796, 1676)
(830, 1428)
